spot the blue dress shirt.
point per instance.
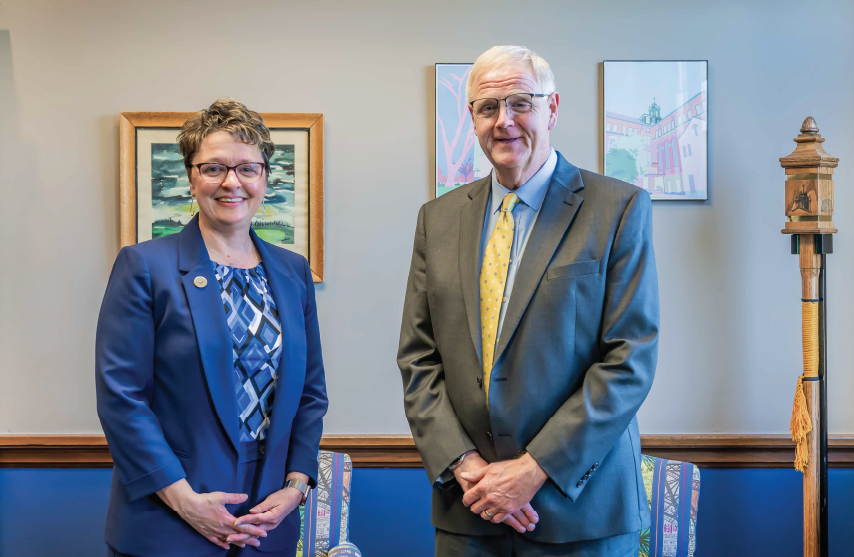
(531, 195)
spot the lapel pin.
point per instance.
(200, 282)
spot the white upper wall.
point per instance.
(730, 338)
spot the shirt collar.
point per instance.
(532, 192)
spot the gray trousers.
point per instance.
(513, 544)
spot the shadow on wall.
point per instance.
(15, 156)
(430, 113)
(8, 102)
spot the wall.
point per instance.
(730, 345)
(742, 513)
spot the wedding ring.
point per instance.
(489, 514)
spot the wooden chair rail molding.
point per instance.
(398, 451)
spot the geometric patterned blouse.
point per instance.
(256, 340)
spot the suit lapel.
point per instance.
(558, 209)
(471, 237)
(289, 306)
(212, 334)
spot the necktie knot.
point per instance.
(509, 202)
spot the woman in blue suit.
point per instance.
(209, 375)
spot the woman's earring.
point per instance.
(264, 208)
(192, 205)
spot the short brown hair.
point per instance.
(226, 114)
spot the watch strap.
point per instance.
(300, 485)
(459, 461)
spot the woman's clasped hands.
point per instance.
(269, 513)
(207, 514)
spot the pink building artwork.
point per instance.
(662, 152)
(459, 159)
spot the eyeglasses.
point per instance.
(519, 103)
(215, 173)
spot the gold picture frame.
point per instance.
(140, 131)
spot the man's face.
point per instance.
(509, 140)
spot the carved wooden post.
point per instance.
(809, 218)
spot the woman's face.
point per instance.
(231, 204)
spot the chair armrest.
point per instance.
(344, 550)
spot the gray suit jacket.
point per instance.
(578, 351)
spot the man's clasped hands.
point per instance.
(502, 491)
(207, 514)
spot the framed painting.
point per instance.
(459, 158)
(656, 126)
(155, 192)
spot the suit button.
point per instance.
(579, 484)
(261, 449)
(489, 435)
(480, 382)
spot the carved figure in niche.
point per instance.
(801, 201)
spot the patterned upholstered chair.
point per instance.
(326, 514)
(673, 490)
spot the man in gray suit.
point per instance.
(530, 337)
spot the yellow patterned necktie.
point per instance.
(493, 276)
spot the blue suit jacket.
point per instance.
(166, 397)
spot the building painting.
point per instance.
(669, 152)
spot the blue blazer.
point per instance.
(163, 371)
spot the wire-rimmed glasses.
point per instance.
(517, 103)
(215, 172)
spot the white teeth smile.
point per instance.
(229, 199)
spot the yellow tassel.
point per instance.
(809, 330)
(800, 425)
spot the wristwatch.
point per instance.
(458, 462)
(300, 485)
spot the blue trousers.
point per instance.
(233, 552)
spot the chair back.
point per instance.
(326, 514)
(673, 491)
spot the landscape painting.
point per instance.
(656, 126)
(170, 190)
(164, 205)
(155, 196)
(171, 203)
(459, 158)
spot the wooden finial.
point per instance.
(809, 184)
(809, 153)
(809, 126)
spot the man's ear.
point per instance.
(554, 102)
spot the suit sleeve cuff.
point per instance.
(304, 465)
(445, 480)
(155, 481)
(553, 467)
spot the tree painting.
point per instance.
(625, 152)
(467, 168)
(459, 159)
(621, 164)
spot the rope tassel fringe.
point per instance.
(800, 426)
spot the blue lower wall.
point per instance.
(743, 512)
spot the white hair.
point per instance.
(499, 55)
